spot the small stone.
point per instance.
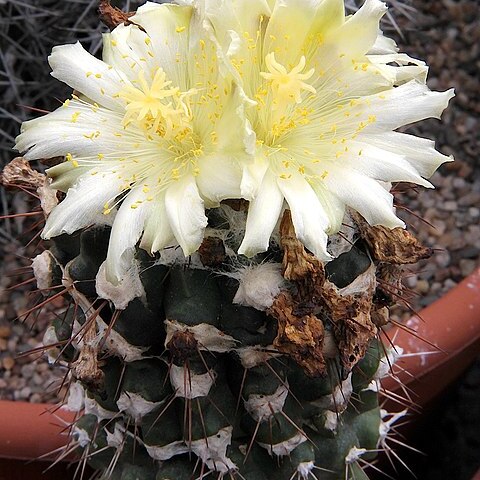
(442, 258)
(411, 281)
(439, 228)
(474, 212)
(38, 379)
(426, 274)
(5, 331)
(427, 201)
(18, 329)
(42, 367)
(25, 392)
(28, 370)
(422, 286)
(21, 382)
(467, 266)
(449, 283)
(36, 398)
(470, 199)
(442, 274)
(8, 363)
(469, 252)
(449, 206)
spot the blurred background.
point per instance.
(444, 33)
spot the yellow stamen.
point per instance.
(287, 86)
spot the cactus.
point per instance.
(228, 249)
(225, 367)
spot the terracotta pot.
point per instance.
(452, 324)
(29, 431)
(32, 430)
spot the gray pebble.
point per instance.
(474, 212)
(442, 258)
(449, 206)
(467, 266)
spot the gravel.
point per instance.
(443, 32)
(24, 376)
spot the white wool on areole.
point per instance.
(209, 338)
(116, 439)
(92, 407)
(42, 266)
(262, 407)
(167, 451)
(125, 291)
(331, 420)
(189, 385)
(354, 454)
(284, 448)
(50, 338)
(212, 450)
(338, 400)
(81, 436)
(135, 405)
(76, 398)
(304, 470)
(257, 355)
(259, 285)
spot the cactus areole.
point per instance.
(228, 238)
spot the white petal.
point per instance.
(233, 119)
(408, 103)
(363, 194)
(253, 176)
(73, 65)
(263, 214)
(168, 28)
(288, 27)
(333, 206)
(219, 178)
(383, 45)
(158, 233)
(186, 213)
(231, 19)
(126, 231)
(329, 15)
(118, 51)
(83, 205)
(55, 134)
(360, 31)
(382, 165)
(406, 69)
(239, 15)
(342, 40)
(419, 152)
(65, 175)
(308, 216)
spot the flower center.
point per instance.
(158, 108)
(287, 86)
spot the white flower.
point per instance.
(330, 91)
(152, 137)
